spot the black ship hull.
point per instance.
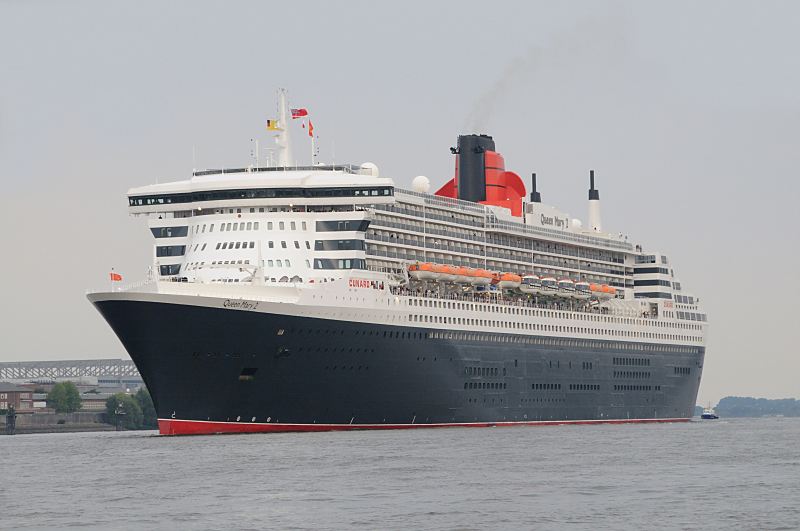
(216, 370)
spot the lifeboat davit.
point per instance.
(481, 277)
(566, 288)
(507, 280)
(602, 292)
(531, 284)
(549, 286)
(582, 290)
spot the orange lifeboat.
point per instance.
(602, 291)
(422, 271)
(462, 275)
(507, 280)
(481, 277)
(450, 273)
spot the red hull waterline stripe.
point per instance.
(202, 427)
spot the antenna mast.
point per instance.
(283, 140)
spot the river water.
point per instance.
(725, 474)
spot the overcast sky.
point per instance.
(688, 111)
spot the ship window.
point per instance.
(283, 244)
(203, 248)
(235, 226)
(249, 225)
(270, 244)
(224, 245)
(288, 263)
(270, 263)
(304, 225)
(228, 226)
(172, 269)
(269, 225)
(211, 228)
(308, 264)
(293, 225)
(280, 263)
(171, 250)
(238, 244)
(252, 245)
(308, 245)
(255, 224)
(241, 225)
(170, 232)
(281, 225)
(296, 244)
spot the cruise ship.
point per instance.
(325, 297)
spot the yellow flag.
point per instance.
(272, 125)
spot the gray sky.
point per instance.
(688, 111)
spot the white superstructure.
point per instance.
(341, 239)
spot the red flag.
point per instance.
(310, 128)
(115, 277)
(297, 113)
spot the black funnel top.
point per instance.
(471, 177)
(593, 194)
(536, 197)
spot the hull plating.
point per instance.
(217, 370)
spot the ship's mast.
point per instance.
(283, 140)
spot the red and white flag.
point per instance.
(299, 113)
(115, 277)
(310, 128)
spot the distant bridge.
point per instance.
(52, 370)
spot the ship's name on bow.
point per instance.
(240, 304)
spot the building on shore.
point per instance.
(18, 397)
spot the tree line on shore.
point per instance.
(130, 412)
(746, 406)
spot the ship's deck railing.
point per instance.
(473, 253)
(508, 226)
(611, 307)
(493, 223)
(347, 168)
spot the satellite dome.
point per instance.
(368, 168)
(421, 184)
(577, 223)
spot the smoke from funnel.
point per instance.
(594, 40)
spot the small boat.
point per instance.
(602, 291)
(566, 288)
(507, 280)
(549, 286)
(423, 271)
(582, 290)
(531, 284)
(708, 414)
(481, 277)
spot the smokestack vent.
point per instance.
(471, 173)
(594, 194)
(536, 197)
